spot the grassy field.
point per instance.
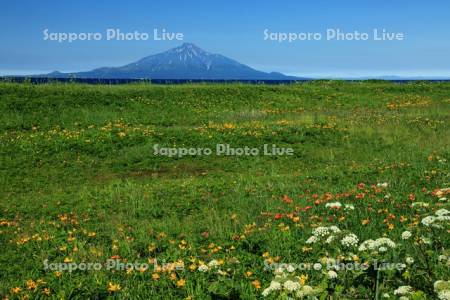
(87, 210)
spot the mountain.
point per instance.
(184, 62)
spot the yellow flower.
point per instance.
(365, 222)
(390, 226)
(248, 273)
(228, 126)
(256, 284)
(113, 287)
(181, 283)
(306, 249)
(15, 290)
(46, 291)
(155, 276)
(31, 284)
(303, 279)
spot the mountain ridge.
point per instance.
(183, 62)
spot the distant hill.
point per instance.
(184, 62)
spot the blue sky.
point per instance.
(234, 29)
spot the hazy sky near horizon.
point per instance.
(234, 29)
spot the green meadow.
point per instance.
(88, 210)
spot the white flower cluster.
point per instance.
(289, 284)
(420, 204)
(335, 205)
(350, 240)
(382, 185)
(380, 244)
(442, 289)
(403, 290)
(406, 235)
(274, 286)
(440, 216)
(444, 259)
(338, 205)
(205, 268)
(322, 232)
(295, 289)
(349, 207)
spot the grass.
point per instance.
(79, 183)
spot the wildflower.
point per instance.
(444, 295)
(409, 260)
(442, 257)
(305, 291)
(291, 286)
(311, 240)
(377, 244)
(203, 268)
(16, 290)
(406, 235)
(155, 276)
(440, 285)
(213, 263)
(330, 239)
(274, 286)
(278, 216)
(335, 205)
(427, 221)
(442, 212)
(181, 283)
(303, 279)
(31, 284)
(349, 207)
(256, 284)
(350, 240)
(113, 287)
(403, 290)
(332, 274)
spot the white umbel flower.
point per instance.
(335, 205)
(406, 235)
(403, 290)
(203, 268)
(291, 286)
(442, 212)
(409, 260)
(350, 240)
(312, 239)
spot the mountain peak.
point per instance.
(189, 45)
(186, 61)
(189, 51)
